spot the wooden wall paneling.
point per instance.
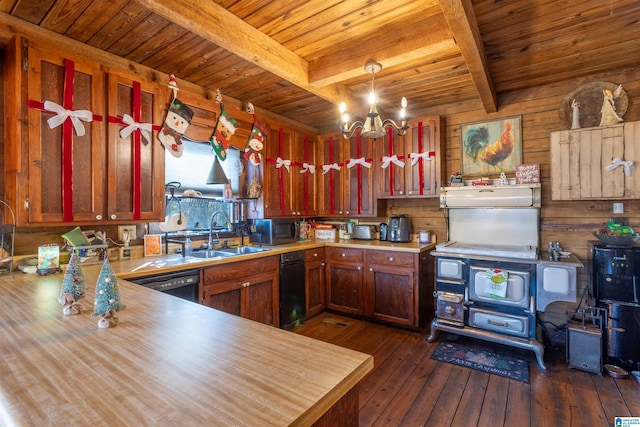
(632, 152)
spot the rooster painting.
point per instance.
(491, 147)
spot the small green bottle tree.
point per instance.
(107, 298)
(73, 287)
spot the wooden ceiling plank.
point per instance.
(389, 49)
(119, 26)
(166, 36)
(63, 14)
(32, 10)
(460, 16)
(93, 18)
(7, 5)
(311, 39)
(146, 30)
(213, 23)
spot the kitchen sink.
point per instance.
(228, 252)
(208, 254)
(241, 250)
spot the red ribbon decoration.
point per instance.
(137, 185)
(359, 173)
(67, 139)
(306, 176)
(390, 153)
(420, 162)
(332, 203)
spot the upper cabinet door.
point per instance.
(423, 151)
(135, 163)
(65, 134)
(304, 176)
(277, 173)
(331, 172)
(359, 166)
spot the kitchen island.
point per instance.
(169, 362)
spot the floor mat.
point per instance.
(463, 354)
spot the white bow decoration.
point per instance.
(386, 161)
(619, 162)
(62, 114)
(306, 167)
(361, 161)
(144, 128)
(327, 168)
(285, 163)
(417, 156)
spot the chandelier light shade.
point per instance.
(373, 126)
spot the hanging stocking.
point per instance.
(225, 128)
(178, 119)
(255, 143)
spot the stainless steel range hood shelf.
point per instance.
(491, 196)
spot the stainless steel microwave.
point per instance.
(276, 231)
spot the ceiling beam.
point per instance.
(214, 23)
(462, 21)
(424, 38)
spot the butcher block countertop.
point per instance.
(168, 362)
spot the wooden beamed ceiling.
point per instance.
(300, 58)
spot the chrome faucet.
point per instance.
(213, 217)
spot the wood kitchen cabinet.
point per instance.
(135, 178)
(421, 151)
(580, 157)
(315, 281)
(345, 274)
(347, 191)
(393, 287)
(390, 282)
(247, 289)
(287, 191)
(76, 171)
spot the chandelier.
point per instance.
(373, 126)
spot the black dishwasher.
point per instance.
(182, 284)
(292, 290)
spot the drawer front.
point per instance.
(499, 322)
(316, 254)
(401, 259)
(240, 269)
(345, 254)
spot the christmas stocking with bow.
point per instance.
(225, 128)
(255, 143)
(178, 119)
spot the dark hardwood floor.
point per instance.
(408, 388)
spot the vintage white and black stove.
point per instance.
(488, 273)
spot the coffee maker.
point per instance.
(399, 228)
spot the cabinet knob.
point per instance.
(359, 267)
(246, 284)
(390, 259)
(113, 216)
(98, 217)
(315, 254)
(370, 268)
(322, 264)
(343, 254)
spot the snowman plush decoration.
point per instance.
(178, 119)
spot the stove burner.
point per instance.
(507, 251)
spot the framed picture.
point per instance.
(492, 146)
(152, 245)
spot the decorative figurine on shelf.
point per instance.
(73, 287)
(503, 179)
(575, 122)
(107, 297)
(455, 180)
(609, 115)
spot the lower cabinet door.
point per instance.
(391, 295)
(344, 288)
